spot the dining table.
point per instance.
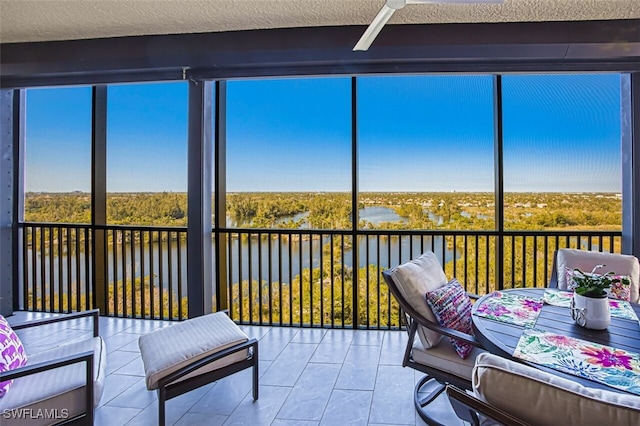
(502, 337)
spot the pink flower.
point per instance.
(533, 305)
(496, 310)
(522, 314)
(606, 358)
(558, 340)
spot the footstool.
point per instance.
(193, 353)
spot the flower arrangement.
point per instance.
(596, 285)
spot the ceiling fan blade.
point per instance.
(374, 28)
(388, 10)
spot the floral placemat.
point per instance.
(510, 308)
(618, 308)
(603, 364)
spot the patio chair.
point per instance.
(60, 385)
(621, 264)
(429, 353)
(511, 393)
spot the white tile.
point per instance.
(308, 399)
(288, 366)
(347, 407)
(260, 412)
(201, 419)
(137, 396)
(360, 368)
(109, 416)
(393, 396)
(115, 384)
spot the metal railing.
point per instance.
(142, 269)
(312, 278)
(309, 278)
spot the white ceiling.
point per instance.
(47, 20)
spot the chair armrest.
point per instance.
(28, 370)
(473, 296)
(94, 314)
(464, 404)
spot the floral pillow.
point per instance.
(620, 290)
(452, 308)
(12, 353)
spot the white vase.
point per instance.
(591, 312)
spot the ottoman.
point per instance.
(193, 353)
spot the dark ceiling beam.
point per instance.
(497, 47)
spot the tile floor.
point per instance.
(307, 377)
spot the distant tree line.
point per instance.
(331, 210)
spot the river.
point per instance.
(296, 256)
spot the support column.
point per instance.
(12, 109)
(630, 140)
(355, 219)
(99, 198)
(220, 158)
(498, 180)
(199, 153)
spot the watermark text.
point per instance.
(40, 413)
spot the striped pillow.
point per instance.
(452, 308)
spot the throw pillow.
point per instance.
(620, 290)
(452, 308)
(12, 355)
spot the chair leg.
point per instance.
(161, 401)
(255, 371)
(422, 403)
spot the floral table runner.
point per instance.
(603, 364)
(510, 308)
(618, 308)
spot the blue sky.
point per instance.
(416, 133)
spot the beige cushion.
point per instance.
(541, 398)
(444, 357)
(60, 388)
(621, 264)
(168, 349)
(414, 279)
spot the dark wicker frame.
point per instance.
(412, 319)
(87, 417)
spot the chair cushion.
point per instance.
(541, 398)
(60, 388)
(621, 264)
(444, 358)
(168, 349)
(12, 353)
(414, 279)
(452, 308)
